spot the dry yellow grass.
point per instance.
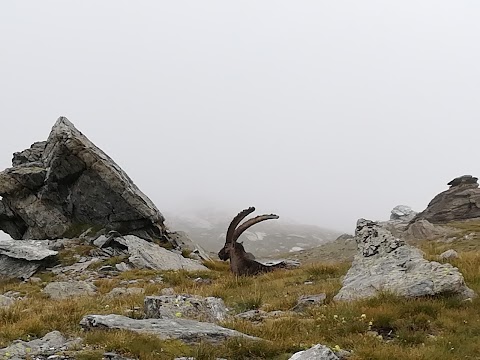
(384, 327)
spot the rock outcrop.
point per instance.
(23, 259)
(189, 331)
(62, 186)
(386, 263)
(460, 202)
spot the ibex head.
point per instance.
(233, 233)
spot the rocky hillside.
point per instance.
(208, 227)
(108, 290)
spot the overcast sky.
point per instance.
(321, 111)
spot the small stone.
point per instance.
(449, 254)
(309, 300)
(167, 291)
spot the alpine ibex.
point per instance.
(240, 263)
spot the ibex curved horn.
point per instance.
(239, 231)
(236, 220)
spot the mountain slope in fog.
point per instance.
(208, 229)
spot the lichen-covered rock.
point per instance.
(189, 331)
(210, 309)
(386, 263)
(64, 185)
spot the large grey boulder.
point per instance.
(460, 202)
(66, 184)
(50, 344)
(21, 259)
(317, 352)
(59, 290)
(209, 309)
(189, 331)
(148, 255)
(386, 263)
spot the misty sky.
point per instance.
(320, 111)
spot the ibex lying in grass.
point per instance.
(240, 263)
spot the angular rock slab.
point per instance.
(210, 309)
(317, 352)
(21, 259)
(58, 187)
(188, 331)
(50, 344)
(386, 263)
(147, 255)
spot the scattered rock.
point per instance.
(423, 229)
(209, 309)
(59, 290)
(289, 263)
(189, 331)
(116, 292)
(182, 241)
(260, 315)
(317, 352)
(63, 186)
(21, 259)
(402, 213)
(50, 344)
(114, 356)
(5, 301)
(108, 268)
(460, 202)
(78, 267)
(449, 254)
(386, 263)
(147, 255)
(307, 301)
(167, 291)
(123, 267)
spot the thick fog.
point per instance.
(320, 111)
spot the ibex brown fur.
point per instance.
(240, 263)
